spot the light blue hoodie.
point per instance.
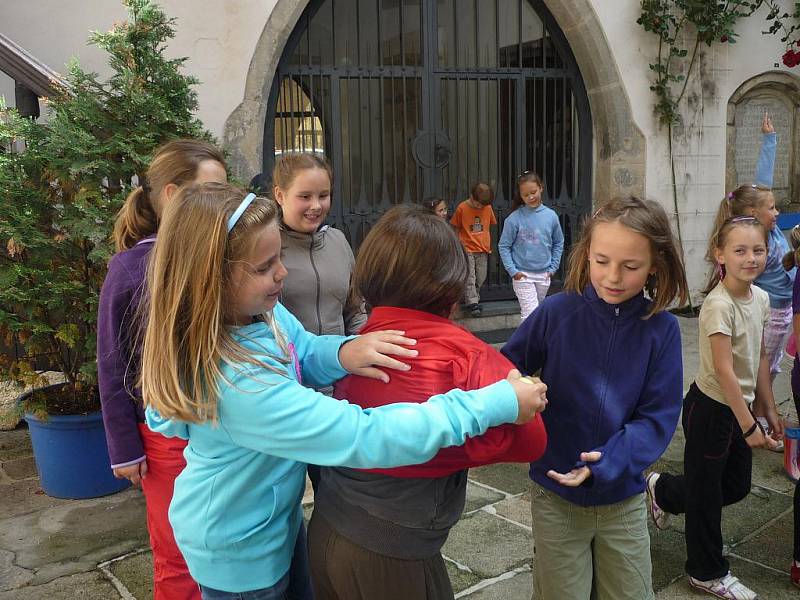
(532, 241)
(775, 280)
(236, 508)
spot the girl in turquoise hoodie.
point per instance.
(222, 367)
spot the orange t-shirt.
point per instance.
(472, 225)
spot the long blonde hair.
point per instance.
(174, 162)
(647, 218)
(189, 285)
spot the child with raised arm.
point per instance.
(611, 359)
(531, 243)
(719, 428)
(473, 219)
(378, 533)
(138, 454)
(222, 365)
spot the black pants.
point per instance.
(716, 463)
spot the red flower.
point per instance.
(723, 39)
(791, 58)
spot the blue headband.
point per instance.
(234, 218)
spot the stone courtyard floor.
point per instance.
(97, 549)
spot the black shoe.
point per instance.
(475, 310)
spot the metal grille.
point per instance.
(423, 98)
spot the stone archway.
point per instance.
(619, 146)
(778, 93)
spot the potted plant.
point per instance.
(59, 197)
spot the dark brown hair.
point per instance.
(174, 162)
(717, 242)
(431, 202)
(646, 218)
(411, 259)
(526, 177)
(482, 190)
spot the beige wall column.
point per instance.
(619, 145)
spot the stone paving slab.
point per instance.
(487, 545)
(75, 537)
(512, 478)
(83, 586)
(135, 572)
(517, 586)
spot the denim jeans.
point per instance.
(295, 585)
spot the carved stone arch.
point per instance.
(778, 92)
(619, 145)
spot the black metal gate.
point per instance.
(423, 98)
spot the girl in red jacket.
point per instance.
(378, 533)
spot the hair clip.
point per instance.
(521, 175)
(730, 196)
(240, 210)
(597, 212)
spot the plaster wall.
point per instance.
(218, 36)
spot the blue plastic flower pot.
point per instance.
(72, 457)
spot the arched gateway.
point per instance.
(417, 98)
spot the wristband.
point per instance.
(752, 430)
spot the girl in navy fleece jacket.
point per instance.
(611, 358)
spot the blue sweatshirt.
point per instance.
(532, 241)
(236, 507)
(615, 384)
(775, 280)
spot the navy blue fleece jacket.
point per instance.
(615, 383)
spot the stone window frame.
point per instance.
(784, 87)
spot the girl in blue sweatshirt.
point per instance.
(611, 358)
(775, 280)
(222, 364)
(531, 243)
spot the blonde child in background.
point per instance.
(222, 365)
(531, 244)
(720, 430)
(611, 360)
(472, 220)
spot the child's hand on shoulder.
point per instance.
(530, 395)
(577, 476)
(364, 354)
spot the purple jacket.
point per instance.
(118, 355)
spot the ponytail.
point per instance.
(136, 220)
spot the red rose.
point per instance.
(791, 58)
(723, 39)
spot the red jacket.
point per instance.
(449, 357)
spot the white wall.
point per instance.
(218, 36)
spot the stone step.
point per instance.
(499, 315)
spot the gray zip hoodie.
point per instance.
(317, 288)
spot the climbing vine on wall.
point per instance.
(683, 25)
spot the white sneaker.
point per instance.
(728, 587)
(659, 515)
